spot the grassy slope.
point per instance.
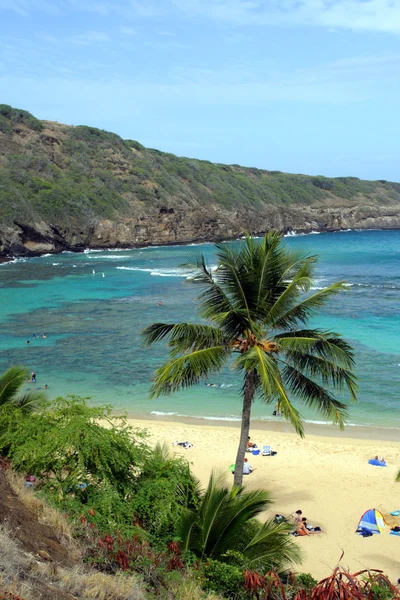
(65, 175)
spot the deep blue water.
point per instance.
(93, 323)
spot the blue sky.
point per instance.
(305, 86)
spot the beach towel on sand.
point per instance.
(376, 462)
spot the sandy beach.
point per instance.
(326, 476)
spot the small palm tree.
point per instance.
(258, 303)
(11, 383)
(224, 521)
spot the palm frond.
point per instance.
(299, 283)
(329, 372)
(221, 520)
(307, 308)
(315, 396)
(189, 369)
(233, 518)
(10, 382)
(272, 548)
(288, 410)
(266, 367)
(185, 337)
(327, 345)
(30, 401)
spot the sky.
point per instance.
(304, 86)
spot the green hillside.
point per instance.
(63, 175)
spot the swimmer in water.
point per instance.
(44, 336)
(28, 342)
(159, 303)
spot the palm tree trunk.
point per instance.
(248, 395)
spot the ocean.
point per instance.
(93, 323)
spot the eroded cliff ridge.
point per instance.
(64, 187)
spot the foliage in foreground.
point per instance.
(223, 527)
(93, 464)
(340, 585)
(69, 444)
(11, 382)
(258, 305)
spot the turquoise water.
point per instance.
(93, 323)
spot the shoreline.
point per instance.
(361, 433)
(4, 259)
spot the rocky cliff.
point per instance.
(65, 187)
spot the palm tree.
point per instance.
(259, 305)
(10, 385)
(224, 521)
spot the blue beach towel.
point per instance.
(395, 513)
(376, 463)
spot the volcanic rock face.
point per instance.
(66, 188)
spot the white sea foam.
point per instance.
(161, 272)
(55, 264)
(13, 261)
(109, 257)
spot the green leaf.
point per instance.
(188, 369)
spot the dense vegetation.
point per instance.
(72, 175)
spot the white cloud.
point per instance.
(361, 15)
(367, 15)
(89, 37)
(127, 30)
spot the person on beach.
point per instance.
(303, 529)
(33, 377)
(296, 517)
(247, 468)
(277, 412)
(250, 444)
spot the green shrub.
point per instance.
(5, 126)
(305, 581)
(17, 115)
(66, 446)
(164, 487)
(224, 579)
(380, 591)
